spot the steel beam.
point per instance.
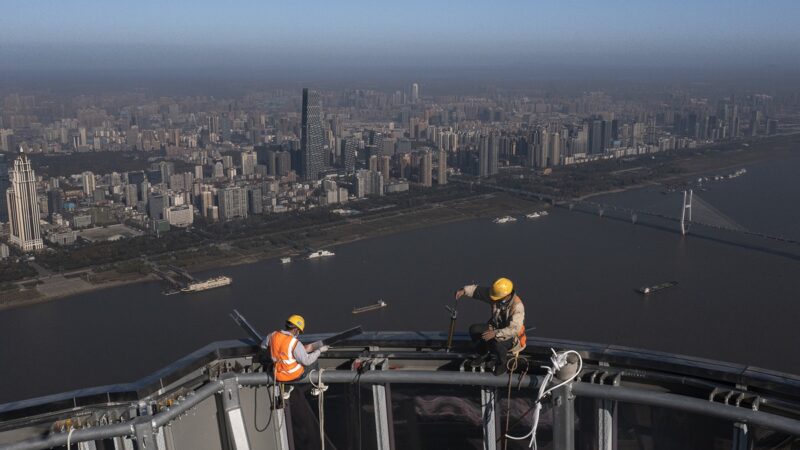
(281, 430)
(741, 437)
(143, 431)
(234, 419)
(488, 412)
(382, 425)
(605, 424)
(564, 418)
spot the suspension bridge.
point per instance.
(692, 211)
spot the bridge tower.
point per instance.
(686, 210)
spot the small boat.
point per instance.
(211, 283)
(650, 289)
(543, 213)
(286, 260)
(380, 304)
(533, 215)
(505, 219)
(320, 254)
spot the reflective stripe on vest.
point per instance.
(523, 339)
(281, 348)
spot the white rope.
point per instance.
(69, 437)
(319, 391)
(558, 361)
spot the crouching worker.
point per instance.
(505, 331)
(290, 357)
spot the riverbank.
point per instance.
(718, 159)
(289, 243)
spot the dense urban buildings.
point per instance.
(200, 160)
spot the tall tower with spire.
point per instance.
(23, 206)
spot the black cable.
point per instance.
(255, 407)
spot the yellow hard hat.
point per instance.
(297, 321)
(501, 288)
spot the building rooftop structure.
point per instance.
(396, 390)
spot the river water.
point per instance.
(736, 299)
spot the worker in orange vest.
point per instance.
(505, 330)
(289, 355)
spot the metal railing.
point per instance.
(198, 379)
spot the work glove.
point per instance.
(324, 349)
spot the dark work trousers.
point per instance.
(497, 349)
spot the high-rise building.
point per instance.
(384, 165)
(88, 181)
(255, 201)
(488, 155)
(55, 202)
(426, 169)
(219, 170)
(156, 203)
(248, 163)
(441, 172)
(131, 195)
(4, 184)
(349, 155)
(283, 163)
(23, 207)
(311, 147)
(232, 203)
(414, 92)
(483, 156)
(368, 182)
(596, 134)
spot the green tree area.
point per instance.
(65, 164)
(13, 271)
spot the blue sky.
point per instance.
(33, 32)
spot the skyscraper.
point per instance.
(4, 183)
(349, 155)
(426, 169)
(23, 207)
(88, 183)
(441, 173)
(248, 163)
(312, 152)
(414, 92)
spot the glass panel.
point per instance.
(436, 417)
(764, 439)
(651, 428)
(349, 418)
(519, 422)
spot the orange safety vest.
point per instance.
(523, 338)
(281, 349)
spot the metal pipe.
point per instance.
(206, 391)
(689, 404)
(82, 435)
(404, 376)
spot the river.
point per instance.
(576, 272)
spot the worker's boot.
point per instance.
(479, 361)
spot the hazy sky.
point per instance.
(65, 34)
